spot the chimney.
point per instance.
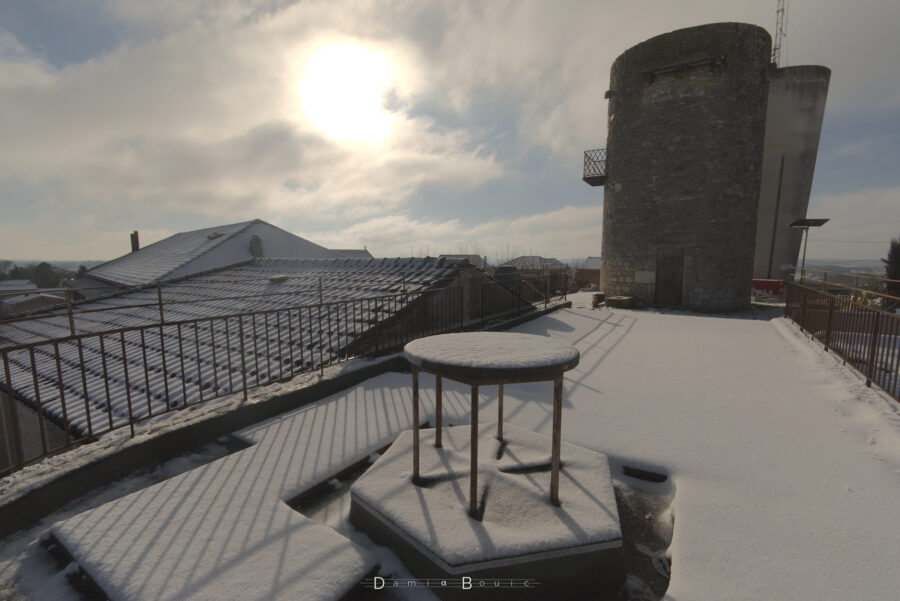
(135, 245)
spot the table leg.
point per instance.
(415, 384)
(473, 475)
(438, 421)
(557, 434)
(500, 414)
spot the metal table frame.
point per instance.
(487, 377)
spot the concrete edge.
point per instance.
(33, 505)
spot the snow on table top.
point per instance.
(490, 350)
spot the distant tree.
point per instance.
(45, 276)
(892, 271)
(82, 271)
(19, 273)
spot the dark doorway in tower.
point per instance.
(669, 276)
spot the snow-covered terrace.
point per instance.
(785, 469)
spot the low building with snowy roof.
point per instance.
(354, 253)
(198, 251)
(589, 271)
(19, 296)
(474, 260)
(534, 265)
(125, 357)
(8, 286)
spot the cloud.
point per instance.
(564, 233)
(862, 223)
(203, 121)
(191, 117)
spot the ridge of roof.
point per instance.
(244, 225)
(226, 232)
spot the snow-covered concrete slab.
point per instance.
(786, 466)
(518, 529)
(224, 531)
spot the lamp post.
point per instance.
(805, 224)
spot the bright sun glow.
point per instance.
(342, 91)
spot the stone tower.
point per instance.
(687, 114)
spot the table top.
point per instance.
(492, 357)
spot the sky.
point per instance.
(468, 121)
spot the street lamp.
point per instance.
(805, 224)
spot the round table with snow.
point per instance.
(487, 358)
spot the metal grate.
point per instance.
(595, 166)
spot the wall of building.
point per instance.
(686, 123)
(796, 107)
(29, 431)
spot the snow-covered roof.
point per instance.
(592, 263)
(474, 260)
(782, 486)
(13, 300)
(198, 356)
(209, 248)
(535, 262)
(16, 285)
(353, 253)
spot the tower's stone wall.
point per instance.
(687, 114)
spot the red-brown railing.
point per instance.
(865, 336)
(67, 390)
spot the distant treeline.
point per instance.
(42, 275)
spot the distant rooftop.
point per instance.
(253, 290)
(353, 253)
(474, 260)
(204, 249)
(591, 263)
(535, 262)
(16, 285)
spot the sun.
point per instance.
(342, 93)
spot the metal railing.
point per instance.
(865, 336)
(868, 289)
(70, 389)
(594, 165)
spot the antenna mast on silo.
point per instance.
(779, 33)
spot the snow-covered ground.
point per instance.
(786, 467)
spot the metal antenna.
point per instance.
(779, 33)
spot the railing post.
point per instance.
(802, 307)
(243, 355)
(547, 290)
(484, 288)
(462, 298)
(873, 345)
(69, 312)
(828, 323)
(13, 415)
(159, 299)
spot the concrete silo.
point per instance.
(687, 114)
(796, 108)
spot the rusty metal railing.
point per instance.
(595, 166)
(57, 393)
(865, 336)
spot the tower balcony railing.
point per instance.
(595, 167)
